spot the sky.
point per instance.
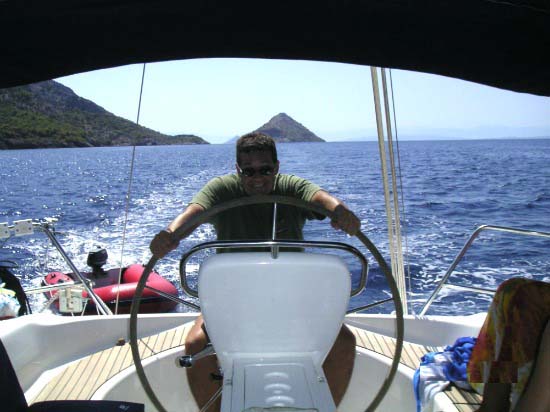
(218, 99)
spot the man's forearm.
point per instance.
(191, 211)
(165, 241)
(343, 218)
(326, 200)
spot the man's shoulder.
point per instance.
(224, 187)
(292, 185)
(284, 178)
(227, 181)
(289, 181)
(218, 190)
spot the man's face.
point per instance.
(257, 172)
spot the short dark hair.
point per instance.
(256, 142)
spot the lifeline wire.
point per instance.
(129, 194)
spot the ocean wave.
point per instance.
(446, 198)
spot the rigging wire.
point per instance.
(129, 194)
(392, 220)
(396, 219)
(401, 192)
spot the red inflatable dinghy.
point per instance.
(106, 286)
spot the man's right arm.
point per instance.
(165, 241)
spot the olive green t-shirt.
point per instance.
(255, 221)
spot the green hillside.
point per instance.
(48, 115)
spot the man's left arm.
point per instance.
(344, 218)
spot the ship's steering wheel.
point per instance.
(252, 200)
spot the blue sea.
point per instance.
(449, 189)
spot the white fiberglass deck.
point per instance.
(82, 378)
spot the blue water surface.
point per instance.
(449, 188)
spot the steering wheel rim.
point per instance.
(252, 200)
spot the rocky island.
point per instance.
(284, 129)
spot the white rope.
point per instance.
(128, 196)
(383, 165)
(397, 220)
(392, 218)
(403, 213)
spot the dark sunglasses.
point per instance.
(250, 171)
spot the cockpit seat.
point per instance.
(13, 398)
(272, 322)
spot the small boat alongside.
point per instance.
(118, 284)
(98, 291)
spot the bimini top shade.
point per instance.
(502, 44)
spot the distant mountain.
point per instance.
(438, 133)
(283, 129)
(48, 114)
(232, 140)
